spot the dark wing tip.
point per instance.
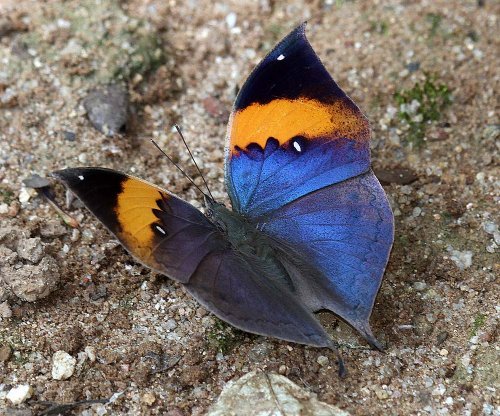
(363, 327)
(300, 30)
(67, 175)
(297, 34)
(73, 174)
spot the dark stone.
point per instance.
(413, 66)
(69, 136)
(107, 108)
(442, 337)
(36, 182)
(401, 176)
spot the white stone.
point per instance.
(24, 196)
(259, 394)
(5, 311)
(90, 353)
(63, 365)
(231, 20)
(463, 259)
(322, 360)
(19, 394)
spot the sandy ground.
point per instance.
(183, 62)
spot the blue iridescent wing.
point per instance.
(292, 131)
(345, 231)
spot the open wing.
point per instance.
(292, 131)
(171, 236)
(345, 232)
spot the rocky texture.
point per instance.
(27, 271)
(262, 394)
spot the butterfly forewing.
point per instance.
(292, 131)
(161, 230)
(298, 166)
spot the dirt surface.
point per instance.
(76, 290)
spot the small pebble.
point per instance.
(419, 286)
(148, 399)
(170, 325)
(322, 360)
(442, 337)
(5, 353)
(63, 365)
(5, 311)
(231, 20)
(416, 211)
(431, 318)
(87, 235)
(30, 249)
(36, 182)
(443, 352)
(90, 351)
(381, 393)
(107, 108)
(75, 234)
(413, 66)
(53, 229)
(69, 136)
(24, 196)
(19, 394)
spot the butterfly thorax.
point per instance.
(245, 238)
(238, 231)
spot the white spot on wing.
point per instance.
(281, 57)
(81, 177)
(297, 147)
(161, 230)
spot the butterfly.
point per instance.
(310, 227)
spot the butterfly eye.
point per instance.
(210, 213)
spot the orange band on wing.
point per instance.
(284, 119)
(134, 211)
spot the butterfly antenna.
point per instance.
(178, 167)
(193, 159)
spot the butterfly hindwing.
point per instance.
(247, 296)
(345, 231)
(292, 131)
